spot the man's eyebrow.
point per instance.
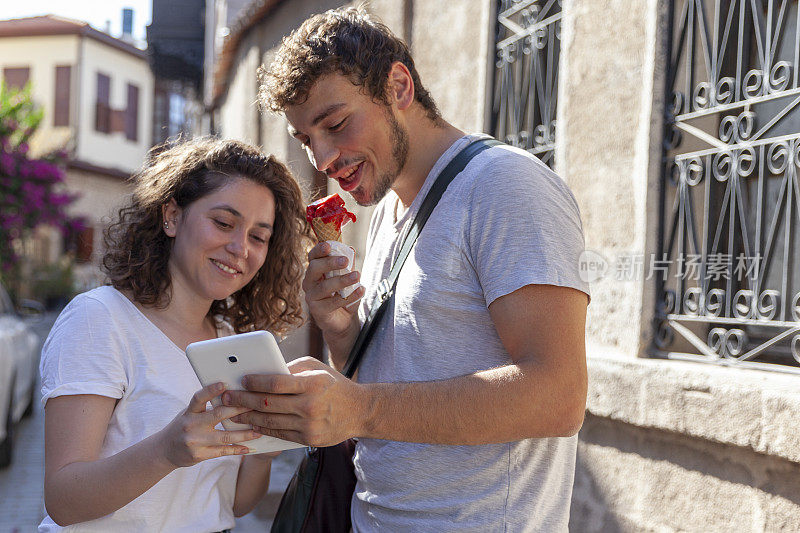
(319, 118)
(327, 111)
(237, 214)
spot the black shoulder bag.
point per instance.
(318, 496)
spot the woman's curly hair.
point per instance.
(138, 250)
(345, 41)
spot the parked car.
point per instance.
(19, 367)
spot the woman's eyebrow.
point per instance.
(237, 214)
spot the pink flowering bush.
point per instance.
(31, 190)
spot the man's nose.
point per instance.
(322, 155)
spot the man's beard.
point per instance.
(384, 182)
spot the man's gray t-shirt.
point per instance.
(505, 222)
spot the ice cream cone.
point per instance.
(326, 231)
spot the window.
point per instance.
(132, 113)
(81, 243)
(85, 245)
(176, 115)
(16, 78)
(160, 113)
(729, 230)
(528, 44)
(62, 97)
(102, 106)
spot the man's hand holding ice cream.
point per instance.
(328, 274)
(327, 216)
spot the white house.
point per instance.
(96, 92)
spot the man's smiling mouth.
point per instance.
(349, 179)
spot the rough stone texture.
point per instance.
(668, 445)
(605, 148)
(679, 446)
(780, 415)
(453, 64)
(634, 479)
(734, 406)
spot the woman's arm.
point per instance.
(79, 487)
(252, 483)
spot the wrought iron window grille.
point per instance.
(730, 187)
(524, 95)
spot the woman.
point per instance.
(211, 243)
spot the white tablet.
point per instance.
(228, 360)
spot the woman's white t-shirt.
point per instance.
(102, 344)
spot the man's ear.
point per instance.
(400, 86)
(170, 214)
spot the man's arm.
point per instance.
(541, 393)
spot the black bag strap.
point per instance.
(387, 285)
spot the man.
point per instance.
(472, 390)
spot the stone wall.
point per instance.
(667, 445)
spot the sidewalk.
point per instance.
(22, 484)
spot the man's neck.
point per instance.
(427, 143)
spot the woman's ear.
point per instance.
(401, 86)
(170, 213)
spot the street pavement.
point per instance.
(22, 490)
(21, 484)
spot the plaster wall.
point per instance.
(100, 198)
(41, 54)
(113, 150)
(629, 479)
(87, 57)
(453, 64)
(239, 117)
(100, 195)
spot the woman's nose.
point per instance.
(238, 245)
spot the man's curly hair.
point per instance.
(345, 41)
(138, 250)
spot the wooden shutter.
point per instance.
(16, 78)
(132, 113)
(62, 96)
(84, 245)
(102, 107)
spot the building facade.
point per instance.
(175, 46)
(96, 93)
(675, 123)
